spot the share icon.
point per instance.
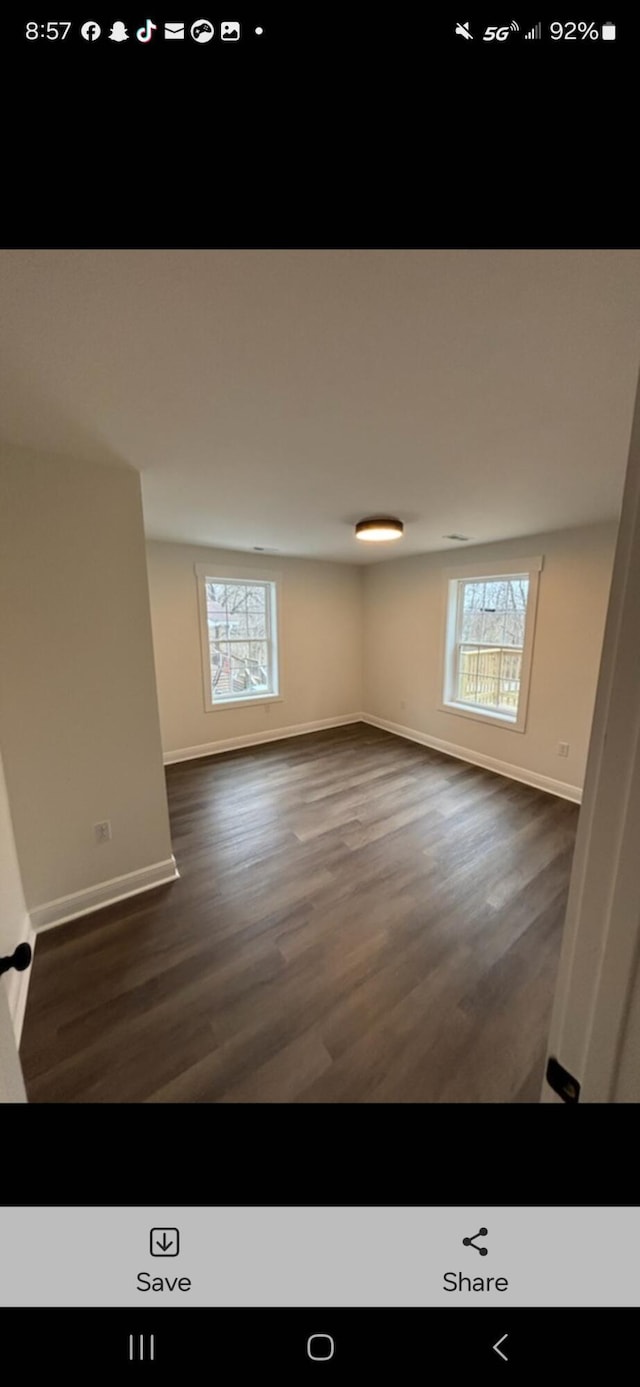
(471, 1242)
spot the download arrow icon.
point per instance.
(165, 1242)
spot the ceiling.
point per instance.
(275, 397)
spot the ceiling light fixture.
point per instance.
(379, 528)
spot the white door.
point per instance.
(595, 1028)
(14, 930)
(11, 1081)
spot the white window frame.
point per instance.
(211, 573)
(483, 572)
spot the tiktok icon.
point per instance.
(145, 34)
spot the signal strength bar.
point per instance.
(535, 33)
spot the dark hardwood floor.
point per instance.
(358, 919)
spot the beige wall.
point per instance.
(320, 612)
(370, 639)
(78, 706)
(403, 630)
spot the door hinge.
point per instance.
(562, 1082)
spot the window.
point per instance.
(238, 625)
(489, 642)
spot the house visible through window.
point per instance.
(489, 644)
(239, 630)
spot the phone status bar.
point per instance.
(209, 33)
(148, 32)
(569, 31)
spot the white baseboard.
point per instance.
(17, 984)
(191, 753)
(476, 758)
(67, 908)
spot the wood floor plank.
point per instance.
(281, 1079)
(358, 919)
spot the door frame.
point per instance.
(599, 968)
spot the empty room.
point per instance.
(306, 566)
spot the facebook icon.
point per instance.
(91, 31)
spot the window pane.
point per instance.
(236, 606)
(239, 636)
(511, 665)
(518, 591)
(259, 666)
(249, 667)
(493, 628)
(514, 628)
(258, 652)
(472, 605)
(216, 593)
(216, 611)
(509, 695)
(220, 670)
(487, 692)
(494, 613)
(256, 624)
(219, 651)
(489, 675)
(239, 651)
(467, 675)
(494, 595)
(490, 634)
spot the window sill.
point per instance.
(223, 706)
(494, 719)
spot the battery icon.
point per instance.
(608, 31)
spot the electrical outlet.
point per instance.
(103, 831)
(563, 748)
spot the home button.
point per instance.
(320, 1347)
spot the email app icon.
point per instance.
(174, 31)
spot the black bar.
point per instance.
(352, 1341)
(399, 1154)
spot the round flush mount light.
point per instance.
(379, 528)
